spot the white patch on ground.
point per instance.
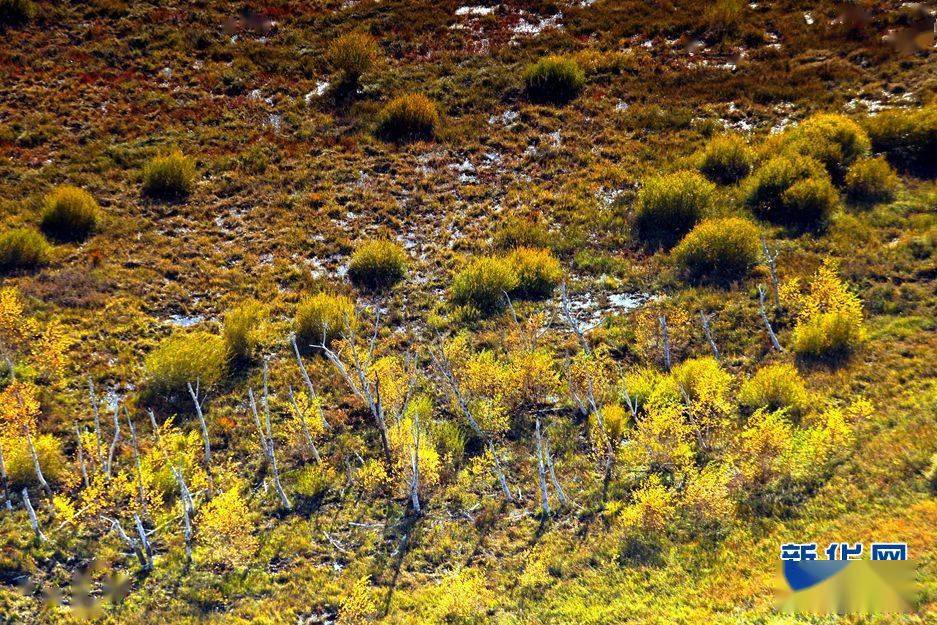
(532, 25)
(506, 118)
(475, 10)
(185, 321)
(808, 17)
(587, 310)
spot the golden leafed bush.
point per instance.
(907, 137)
(726, 159)
(169, 177)
(770, 196)
(538, 272)
(323, 317)
(775, 387)
(69, 213)
(182, 359)
(408, 117)
(871, 180)
(23, 248)
(352, 55)
(243, 329)
(225, 530)
(21, 471)
(483, 283)
(554, 79)
(670, 205)
(718, 250)
(809, 203)
(378, 265)
(832, 139)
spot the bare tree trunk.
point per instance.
(147, 547)
(764, 317)
(308, 381)
(81, 459)
(557, 487)
(302, 420)
(260, 428)
(141, 494)
(204, 426)
(542, 473)
(771, 259)
(38, 469)
(97, 425)
(33, 521)
(270, 447)
(188, 511)
(708, 332)
(665, 341)
(113, 448)
(415, 466)
(132, 543)
(5, 482)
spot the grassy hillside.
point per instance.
(400, 311)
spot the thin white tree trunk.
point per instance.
(33, 521)
(204, 427)
(542, 473)
(5, 482)
(764, 317)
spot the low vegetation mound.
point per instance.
(23, 248)
(791, 190)
(726, 159)
(351, 56)
(775, 387)
(182, 359)
(242, 330)
(169, 177)
(16, 12)
(670, 205)
(378, 265)
(554, 79)
(70, 214)
(834, 140)
(483, 283)
(718, 250)
(829, 320)
(871, 180)
(538, 272)
(410, 117)
(907, 137)
(323, 317)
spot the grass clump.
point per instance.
(408, 117)
(670, 205)
(23, 248)
(834, 140)
(718, 250)
(517, 232)
(907, 137)
(775, 387)
(932, 474)
(554, 79)
(378, 265)
(871, 180)
(482, 284)
(538, 272)
(242, 330)
(16, 12)
(70, 214)
(726, 159)
(352, 55)
(169, 177)
(182, 359)
(769, 191)
(323, 317)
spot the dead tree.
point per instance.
(260, 428)
(548, 456)
(97, 425)
(81, 459)
(113, 448)
(313, 396)
(415, 466)
(542, 472)
(33, 520)
(272, 456)
(145, 541)
(445, 369)
(188, 512)
(5, 482)
(141, 493)
(771, 260)
(708, 333)
(665, 341)
(305, 428)
(36, 467)
(764, 317)
(134, 544)
(204, 427)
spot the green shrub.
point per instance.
(718, 250)
(554, 79)
(828, 337)
(766, 188)
(808, 203)
(775, 387)
(322, 318)
(16, 12)
(408, 118)
(907, 137)
(482, 284)
(932, 474)
(242, 329)
(727, 159)
(871, 180)
(834, 140)
(70, 213)
(182, 359)
(670, 205)
(352, 55)
(313, 480)
(378, 265)
(23, 248)
(520, 232)
(169, 177)
(19, 461)
(538, 272)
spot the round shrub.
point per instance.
(834, 140)
(718, 250)
(483, 283)
(907, 137)
(554, 79)
(775, 387)
(520, 232)
(538, 272)
(19, 461)
(828, 337)
(727, 159)
(670, 205)
(932, 474)
(16, 12)
(614, 420)
(766, 187)
(409, 117)
(241, 329)
(322, 318)
(70, 214)
(182, 359)
(378, 265)
(169, 177)
(871, 180)
(352, 55)
(808, 203)
(23, 248)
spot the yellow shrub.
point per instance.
(775, 387)
(353, 55)
(829, 317)
(70, 213)
(538, 272)
(322, 318)
(182, 359)
(243, 329)
(19, 462)
(653, 508)
(834, 140)
(408, 118)
(169, 176)
(358, 605)
(706, 503)
(483, 283)
(871, 180)
(726, 159)
(661, 441)
(718, 250)
(23, 248)
(608, 425)
(908, 137)
(378, 265)
(670, 205)
(554, 79)
(225, 530)
(532, 378)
